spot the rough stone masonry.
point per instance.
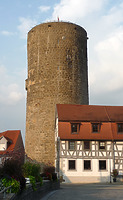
(57, 74)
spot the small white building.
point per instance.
(89, 142)
(11, 146)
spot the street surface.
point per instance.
(87, 192)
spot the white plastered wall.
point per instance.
(79, 175)
(3, 144)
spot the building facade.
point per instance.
(89, 142)
(57, 73)
(11, 146)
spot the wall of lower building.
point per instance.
(19, 148)
(111, 157)
(81, 175)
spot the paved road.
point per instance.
(87, 192)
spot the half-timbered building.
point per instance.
(89, 142)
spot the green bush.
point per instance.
(33, 182)
(40, 179)
(31, 169)
(11, 182)
(12, 169)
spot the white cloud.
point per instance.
(44, 8)
(104, 23)
(12, 99)
(10, 92)
(2, 71)
(25, 25)
(14, 96)
(107, 69)
(112, 45)
(7, 33)
(75, 10)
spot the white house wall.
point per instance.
(113, 155)
(85, 176)
(3, 144)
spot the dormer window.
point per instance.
(120, 127)
(95, 127)
(74, 128)
(3, 143)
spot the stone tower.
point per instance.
(57, 74)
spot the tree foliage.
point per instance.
(31, 169)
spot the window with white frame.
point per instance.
(102, 145)
(71, 145)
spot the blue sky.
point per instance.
(103, 21)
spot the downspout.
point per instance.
(113, 155)
(112, 144)
(58, 155)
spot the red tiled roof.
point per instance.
(107, 116)
(69, 112)
(12, 137)
(85, 132)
